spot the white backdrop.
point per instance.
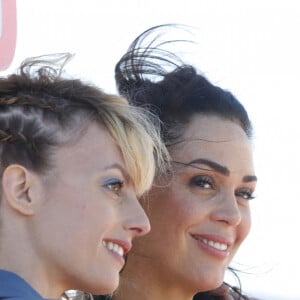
(249, 47)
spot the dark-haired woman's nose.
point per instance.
(227, 209)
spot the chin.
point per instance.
(209, 282)
(212, 285)
(101, 286)
(109, 288)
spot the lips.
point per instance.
(216, 242)
(216, 245)
(118, 247)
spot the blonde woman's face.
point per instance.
(88, 215)
(201, 215)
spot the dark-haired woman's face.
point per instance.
(201, 215)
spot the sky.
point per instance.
(248, 47)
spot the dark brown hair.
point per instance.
(150, 76)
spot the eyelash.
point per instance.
(245, 194)
(114, 185)
(205, 182)
(202, 181)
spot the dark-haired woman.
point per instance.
(200, 211)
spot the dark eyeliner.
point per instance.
(200, 181)
(241, 193)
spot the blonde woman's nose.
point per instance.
(136, 220)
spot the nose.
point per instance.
(136, 220)
(227, 209)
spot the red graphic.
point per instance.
(8, 32)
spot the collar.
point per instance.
(14, 287)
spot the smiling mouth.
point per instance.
(215, 245)
(114, 248)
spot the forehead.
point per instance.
(213, 128)
(93, 150)
(216, 139)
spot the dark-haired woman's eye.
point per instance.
(202, 181)
(114, 186)
(245, 193)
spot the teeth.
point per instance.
(216, 245)
(114, 247)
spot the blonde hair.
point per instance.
(39, 108)
(138, 139)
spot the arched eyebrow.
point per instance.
(209, 163)
(249, 178)
(214, 166)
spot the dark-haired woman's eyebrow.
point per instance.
(212, 165)
(249, 178)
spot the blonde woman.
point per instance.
(73, 162)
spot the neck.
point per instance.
(17, 255)
(32, 272)
(141, 279)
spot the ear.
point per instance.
(16, 184)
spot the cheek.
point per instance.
(245, 226)
(99, 215)
(87, 217)
(169, 209)
(242, 232)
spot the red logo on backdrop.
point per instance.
(8, 32)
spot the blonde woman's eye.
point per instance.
(114, 185)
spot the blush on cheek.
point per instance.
(242, 232)
(246, 225)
